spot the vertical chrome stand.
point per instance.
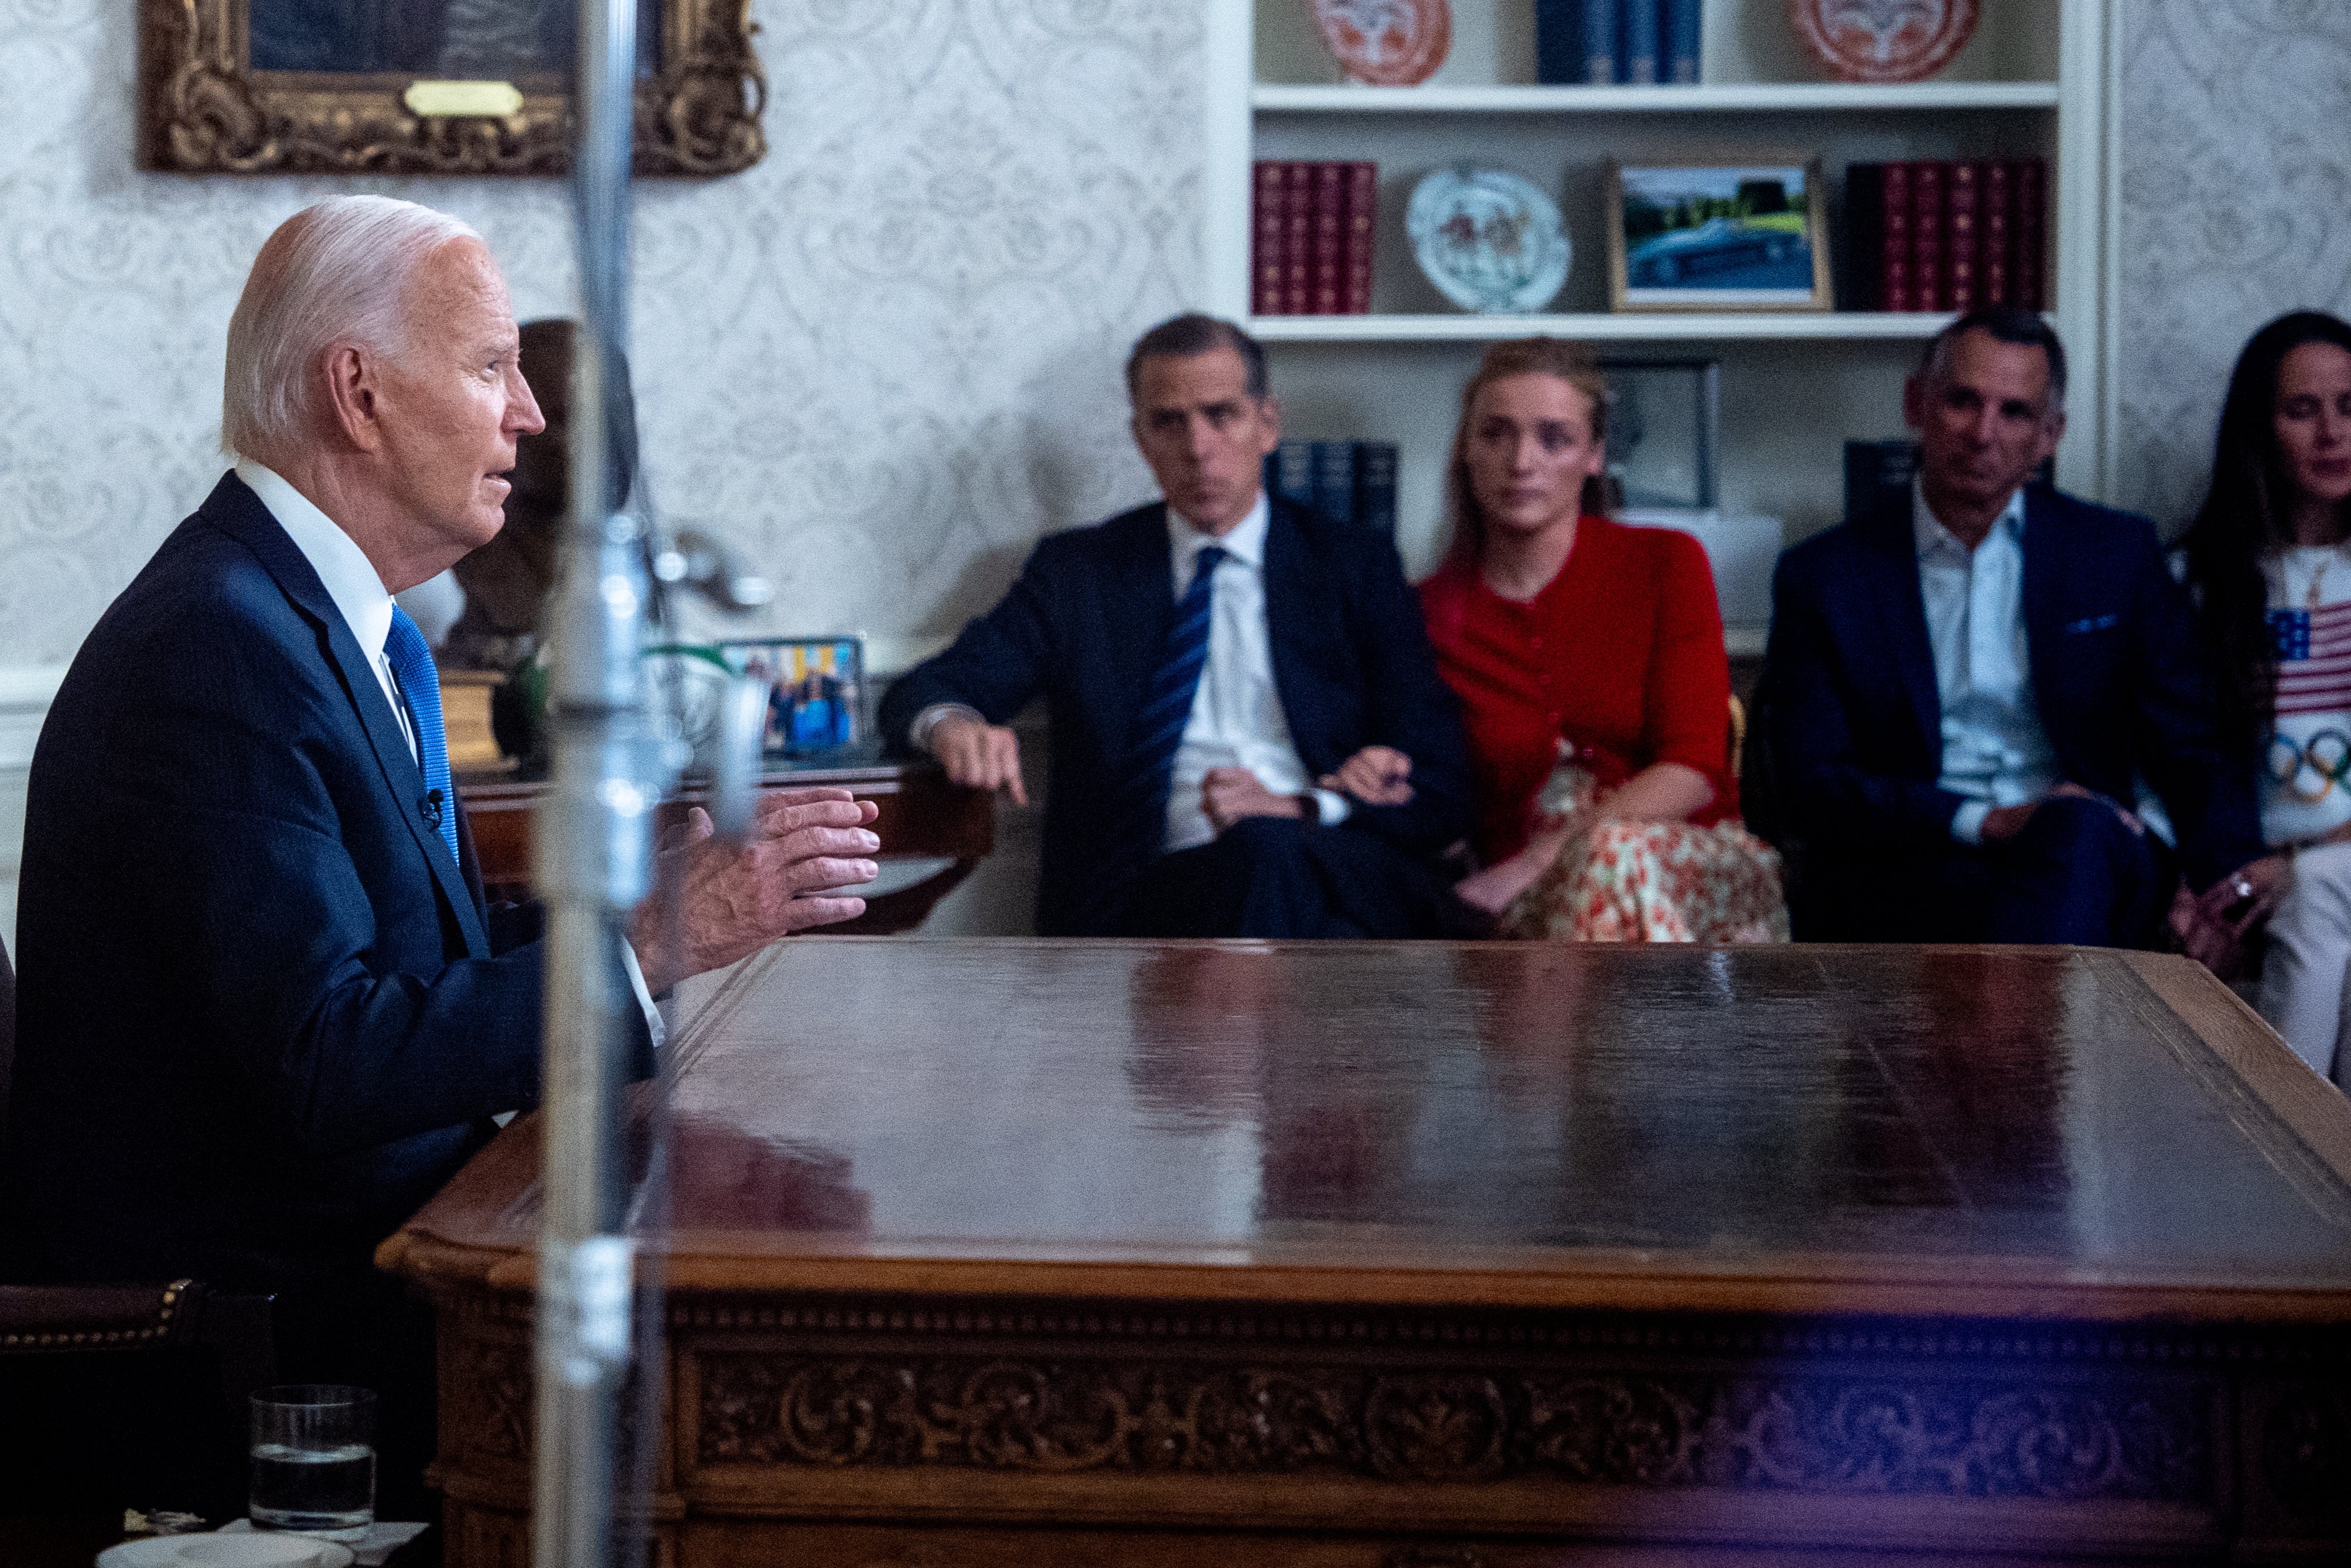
(593, 856)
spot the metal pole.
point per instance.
(593, 854)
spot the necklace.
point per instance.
(2313, 594)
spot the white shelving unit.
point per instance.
(2036, 81)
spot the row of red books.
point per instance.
(1311, 226)
(1947, 236)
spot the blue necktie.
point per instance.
(420, 687)
(1159, 727)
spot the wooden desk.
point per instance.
(923, 817)
(1488, 1256)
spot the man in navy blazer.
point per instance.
(264, 1012)
(1209, 663)
(1963, 691)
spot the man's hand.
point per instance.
(805, 849)
(1378, 776)
(2002, 823)
(2248, 896)
(1229, 794)
(978, 756)
(2208, 941)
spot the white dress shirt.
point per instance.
(349, 577)
(1995, 751)
(1237, 719)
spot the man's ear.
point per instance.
(2053, 432)
(1270, 411)
(353, 393)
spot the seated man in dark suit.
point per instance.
(264, 1013)
(1209, 663)
(1962, 693)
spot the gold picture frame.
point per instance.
(1713, 253)
(205, 109)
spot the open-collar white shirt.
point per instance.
(349, 577)
(1995, 750)
(1237, 718)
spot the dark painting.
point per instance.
(501, 40)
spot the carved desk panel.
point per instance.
(1031, 1254)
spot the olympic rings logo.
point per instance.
(2309, 770)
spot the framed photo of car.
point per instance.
(1692, 236)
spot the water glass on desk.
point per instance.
(314, 1459)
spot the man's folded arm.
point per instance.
(991, 670)
(1412, 709)
(2208, 793)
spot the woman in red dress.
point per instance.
(1588, 657)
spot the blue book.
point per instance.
(1375, 485)
(1684, 22)
(1636, 30)
(1289, 472)
(1334, 480)
(1600, 41)
(1560, 60)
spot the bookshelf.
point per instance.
(2035, 81)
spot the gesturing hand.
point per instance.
(720, 902)
(1378, 776)
(1229, 794)
(978, 754)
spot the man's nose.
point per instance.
(523, 414)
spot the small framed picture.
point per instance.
(1717, 237)
(817, 703)
(1665, 431)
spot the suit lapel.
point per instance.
(1901, 613)
(238, 512)
(1288, 586)
(2044, 582)
(1141, 608)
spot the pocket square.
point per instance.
(2093, 623)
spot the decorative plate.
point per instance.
(1883, 40)
(1386, 42)
(1489, 240)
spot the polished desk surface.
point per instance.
(1994, 1131)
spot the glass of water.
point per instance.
(314, 1459)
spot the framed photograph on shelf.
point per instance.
(1692, 236)
(817, 704)
(1665, 431)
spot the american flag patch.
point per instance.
(2313, 656)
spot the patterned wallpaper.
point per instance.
(885, 359)
(882, 361)
(2236, 187)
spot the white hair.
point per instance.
(336, 271)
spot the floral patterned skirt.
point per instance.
(1656, 881)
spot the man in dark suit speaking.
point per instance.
(1962, 693)
(264, 1012)
(1210, 662)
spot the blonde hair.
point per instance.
(1556, 357)
(339, 270)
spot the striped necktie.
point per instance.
(419, 688)
(1159, 729)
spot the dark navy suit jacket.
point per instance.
(263, 1013)
(1085, 625)
(1855, 720)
